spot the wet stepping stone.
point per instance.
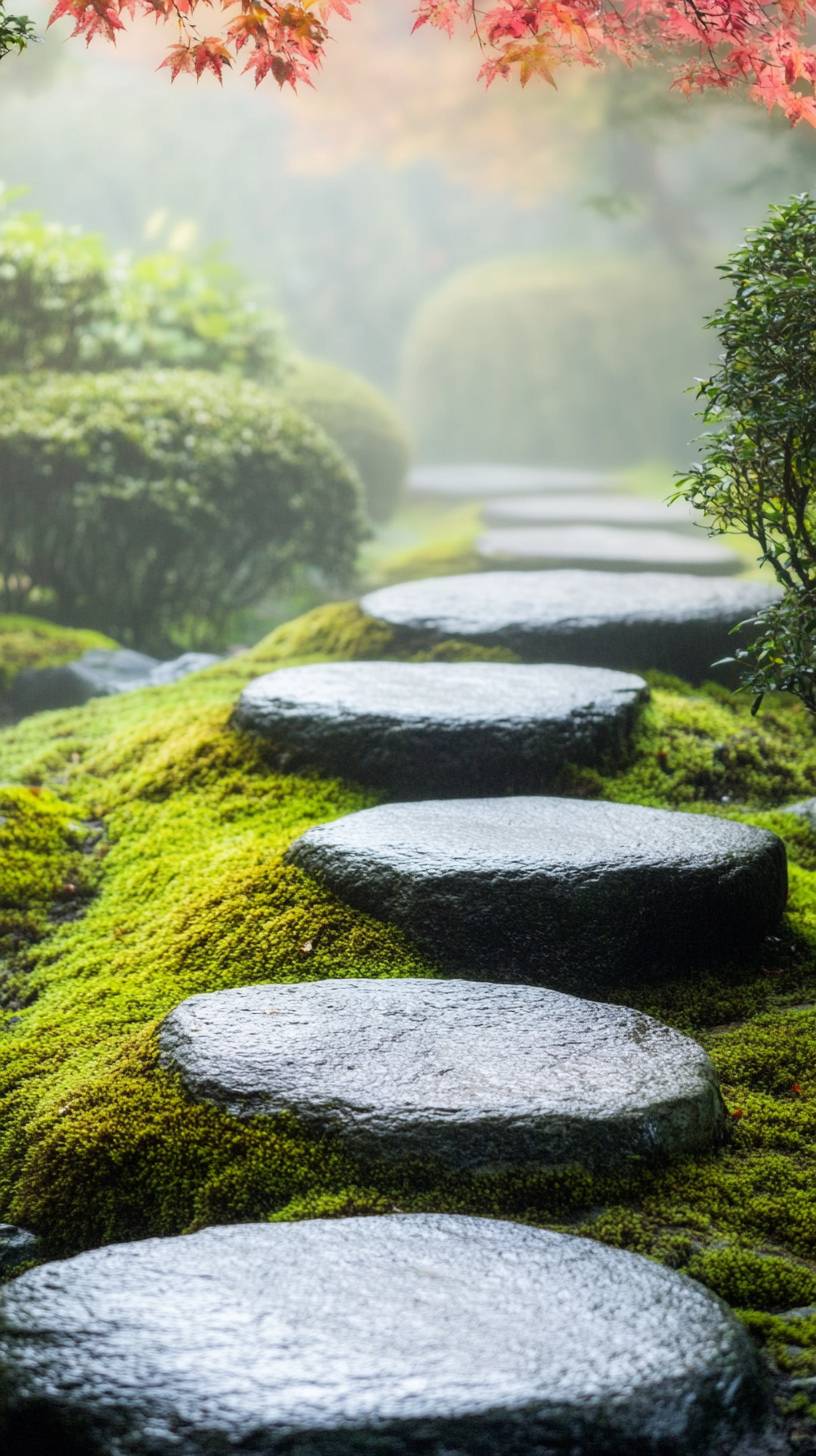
(589, 508)
(451, 727)
(408, 1335)
(614, 548)
(680, 624)
(467, 1074)
(478, 482)
(569, 892)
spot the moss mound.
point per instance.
(146, 843)
(29, 642)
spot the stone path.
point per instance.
(613, 548)
(481, 482)
(100, 673)
(396, 1335)
(596, 508)
(675, 623)
(479, 727)
(427, 1335)
(412, 1068)
(573, 893)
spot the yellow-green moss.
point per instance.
(29, 642)
(173, 827)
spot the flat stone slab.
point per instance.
(472, 1075)
(451, 727)
(601, 508)
(570, 892)
(680, 624)
(408, 1335)
(613, 548)
(100, 673)
(480, 482)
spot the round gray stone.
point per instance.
(613, 548)
(569, 892)
(602, 508)
(481, 482)
(484, 727)
(405, 1335)
(469, 1074)
(680, 624)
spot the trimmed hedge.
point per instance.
(539, 359)
(362, 422)
(155, 504)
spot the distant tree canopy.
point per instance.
(758, 46)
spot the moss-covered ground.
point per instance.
(142, 846)
(31, 642)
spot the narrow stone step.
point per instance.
(408, 1335)
(601, 508)
(477, 482)
(610, 548)
(451, 727)
(465, 1073)
(568, 892)
(680, 624)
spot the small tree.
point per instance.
(758, 472)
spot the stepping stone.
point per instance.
(100, 673)
(679, 624)
(17, 1247)
(610, 547)
(464, 1073)
(406, 1335)
(453, 727)
(573, 893)
(585, 508)
(479, 482)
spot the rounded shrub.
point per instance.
(536, 359)
(154, 504)
(362, 422)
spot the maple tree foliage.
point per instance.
(760, 46)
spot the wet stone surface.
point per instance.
(674, 623)
(570, 893)
(471, 1074)
(602, 508)
(610, 548)
(400, 1336)
(447, 727)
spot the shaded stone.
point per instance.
(469, 1074)
(401, 1336)
(99, 673)
(611, 548)
(569, 892)
(17, 1247)
(806, 809)
(480, 482)
(602, 508)
(680, 624)
(453, 727)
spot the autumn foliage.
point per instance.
(709, 44)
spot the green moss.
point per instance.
(28, 642)
(173, 828)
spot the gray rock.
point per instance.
(17, 1246)
(680, 624)
(568, 892)
(471, 1075)
(806, 809)
(604, 508)
(611, 548)
(480, 482)
(450, 727)
(415, 1335)
(99, 673)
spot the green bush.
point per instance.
(155, 504)
(535, 359)
(67, 303)
(362, 422)
(758, 472)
